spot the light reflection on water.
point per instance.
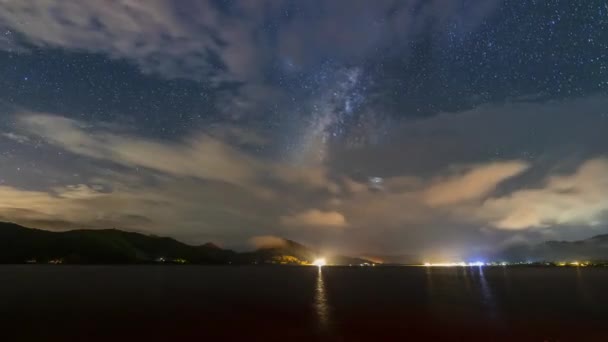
(581, 288)
(506, 278)
(488, 299)
(483, 294)
(454, 291)
(321, 304)
(467, 280)
(429, 279)
(486, 291)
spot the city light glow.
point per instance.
(445, 264)
(503, 263)
(455, 264)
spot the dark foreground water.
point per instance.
(192, 303)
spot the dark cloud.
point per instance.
(207, 38)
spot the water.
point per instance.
(176, 303)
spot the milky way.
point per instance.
(330, 115)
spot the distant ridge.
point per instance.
(20, 244)
(592, 249)
(212, 245)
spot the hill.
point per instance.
(110, 246)
(592, 249)
(19, 244)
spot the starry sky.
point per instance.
(435, 127)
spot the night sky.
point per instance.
(439, 127)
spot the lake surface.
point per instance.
(196, 303)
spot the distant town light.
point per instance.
(477, 263)
(320, 262)
(456, 264)
(446, 264)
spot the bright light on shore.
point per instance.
(477, 263)
(320, 262)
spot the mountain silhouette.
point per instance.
(20, 244)
(592, 249)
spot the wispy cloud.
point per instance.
(315, 218)
(475, 183)
(578, 198)
(267, 241)
(22, 139)
(151, 33)
(201, 156)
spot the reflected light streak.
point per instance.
(486, 292)
(467, 281)
(582, 290)
(488, 297)
(429, 278)
(321, 305)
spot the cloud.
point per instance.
(159, 187)
(509, 131)
(64, 204)
(407, 201)
(468, 205)
(475, 183)
(204, 183)
(232, 46)
(238, 135)
(205, 40)
(356, 29)
(201, 156)
(188, 209)
(314, 177)
(22, 139)
(315, 218)
(267, 241)
(563, 200)
(162, 37)
(210, 186)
